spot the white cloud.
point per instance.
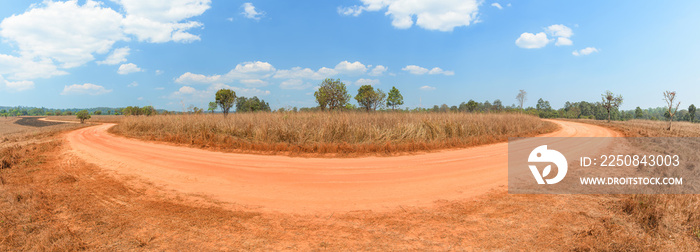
(186, 90)
(254, 82)
(378, 70)
(64, 31)
(16, 85)
(18, 68)
(438, 70)
(417, 70)
(427, 88)
(139, 99)
(563, 34)
(354, 68)
(85, 89)
(295, 84)
(371, 82)
(249, 11)
(250, 73)
(133, 84)
(64, 34)
(585, 51)
(431, 15)
(159, 72)
(413, 69)
(128, 68)
(117, 56)
(532, 41)
(350, 11)
(190, 78)
(559, 30)
(159, 21)
(497, 5)
(561, 41)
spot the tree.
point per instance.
(497, 105)
(669, 96)
(638, 113)
(332, 94)
(369, 98)
(98, 112)
(472, 105)
(212, 107)
(691, 112)
(254, 104)
(395, 98)
(83, 115)
(225, 99)
(543, 105)
(521, 97)
(148, 111)
(611, 101)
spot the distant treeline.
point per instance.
(34, 111)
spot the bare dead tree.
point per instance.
(611, 101)
(669, 96)
(521, 97)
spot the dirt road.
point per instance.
(294, 184)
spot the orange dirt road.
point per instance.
(308, 185)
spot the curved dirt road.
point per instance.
(294, 184)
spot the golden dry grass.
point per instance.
(347, 134)
(93, 118)
(662, 216)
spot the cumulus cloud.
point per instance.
(497, 5)
(413, 69)
(378, 70)
(133, 84)
(562, 33)
(64, 31)
(64, 34)
(16, 85)
(532, 41)
(23, 68)
(161, 21)
(427, 88)
(355, 68)
(585, 51)
(85, 89)
(117, 56)
(417, 70)
(431, 15)
(128, 68)
(254, 82)
(250, 73)
(249, 11)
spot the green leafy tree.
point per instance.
(638, 113)
(369, 98)
(148, 111)
(332, 94)
(610, 101)
(543, 106)
(254, 104)
(98, 112)
(212, 107)
(497, 105)
(691, 112)
(395, 98)
(83, 115)
(225, 98)
(472, 105)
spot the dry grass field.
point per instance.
(342, 134)
(93, 118)
(51, 200)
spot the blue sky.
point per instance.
(172, 54)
